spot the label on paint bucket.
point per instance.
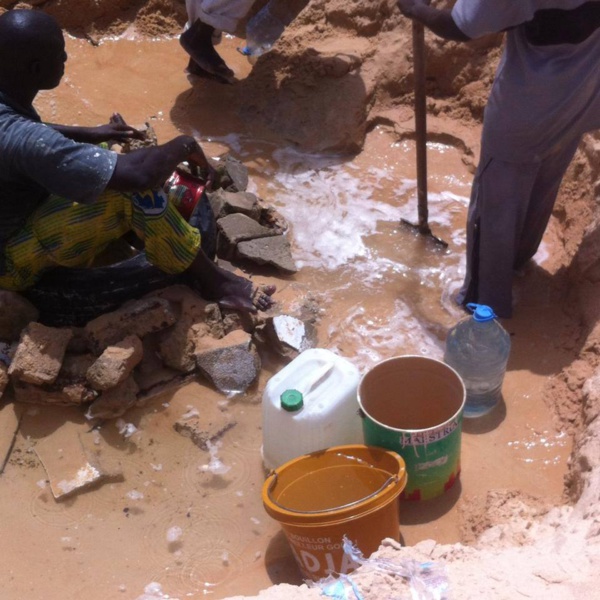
(414, 406)
(317, 555)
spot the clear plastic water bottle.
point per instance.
(266, 27)
(477, 348)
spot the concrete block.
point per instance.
(116, 363)
(114, 402)
(237, 228)
(40, 353)
(70, 394)
(139, 317)
(226, 203)
(177, 343)
(203, 424)
(70, 468)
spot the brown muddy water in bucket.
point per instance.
(405, 394)
(192, 521)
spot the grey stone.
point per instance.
(225, 203)
(275, 251)
(238, 227)
(237, 173)
(232, 363)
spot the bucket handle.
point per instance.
(274, 475)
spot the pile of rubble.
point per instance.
(122, 358)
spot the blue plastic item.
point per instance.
(477, 348)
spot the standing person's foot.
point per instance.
(197, 41)
(197, 71)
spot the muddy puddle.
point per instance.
(193, 521)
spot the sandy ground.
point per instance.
(342, 68)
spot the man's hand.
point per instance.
(438, 20)
(150, 167)
(198, 159)
(117, 130)
(410, 8)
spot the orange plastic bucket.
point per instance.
(321, 497)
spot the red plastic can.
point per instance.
(184, 191)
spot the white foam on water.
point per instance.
(191, 413)
(378, 337)
(125, 429)
(331, 208)
(174, 533)
(153, 591)
(215, 466)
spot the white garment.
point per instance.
(220, 14)
(542, 96)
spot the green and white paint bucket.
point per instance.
(414, 405)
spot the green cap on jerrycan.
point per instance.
(291, 400)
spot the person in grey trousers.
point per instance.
(545, 96)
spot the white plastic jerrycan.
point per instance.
(311, 404)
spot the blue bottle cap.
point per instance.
(291, 400)
(481, 312)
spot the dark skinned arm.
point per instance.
(116, 130)
(150, 167)
(439, 21)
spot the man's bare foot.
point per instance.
(198, 43)
(259, 299)
(228, 289)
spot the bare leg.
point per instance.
(197, 41)
(228, 289)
